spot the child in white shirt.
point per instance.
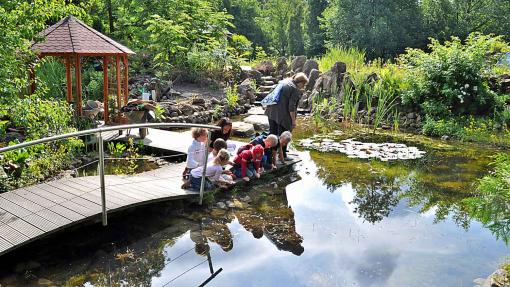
(196, 150)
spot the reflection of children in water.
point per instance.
(214, 230)
(276, 222)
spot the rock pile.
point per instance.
(356, 149)
(199, 110)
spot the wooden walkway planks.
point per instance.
(30, 213)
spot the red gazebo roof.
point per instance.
(71, 36)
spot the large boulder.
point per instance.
(282, 67)
(331, 82)
(312, 79)
(504, 84)
(265, 67)
(257, 110)
(249, 72)
(243, 129)
(305, 102)
(309, 66)
(186, 110)
(246, 91)
(259, 122)
(298, 63)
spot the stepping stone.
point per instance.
(243, 129)
(259, 122)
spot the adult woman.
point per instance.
(224, 133)
(282, 116)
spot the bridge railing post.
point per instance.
(101, 177)
(206, 155)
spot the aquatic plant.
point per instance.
(116, 149)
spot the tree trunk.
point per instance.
(110, 15)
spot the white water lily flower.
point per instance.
(466, 86)
(475, 88)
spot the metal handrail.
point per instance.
(100, 131)
(105, 129)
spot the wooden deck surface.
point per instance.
(30, 213)
(27, 214)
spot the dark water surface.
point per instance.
(341, 222)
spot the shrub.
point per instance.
(240, 48)
(442, 127)
(203, 64)
(232, 96)
(51, 74)
(452, 80)
(39, 118)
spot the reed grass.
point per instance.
(352, 57)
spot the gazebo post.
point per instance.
(119, 103)
(78, 85)
(126, 77)
(105, 89)
(69, 80)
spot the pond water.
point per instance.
(116, 166)
(335, 221)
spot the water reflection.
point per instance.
(273, 219)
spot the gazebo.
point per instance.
(72, 39)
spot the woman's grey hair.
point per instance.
(286, 136)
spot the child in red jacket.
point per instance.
(247, 162)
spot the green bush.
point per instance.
(240, 48)
(38, 119)
(203, 64)
(52, 75)
(442, 127)
(452, 80)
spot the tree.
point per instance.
(21, 21)
(382, 28)
(295, 32)
(274, 21)
(316, 34)
(245, 13)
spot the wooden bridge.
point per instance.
(30, 213)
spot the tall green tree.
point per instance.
(445, 18)
(382, 28)
(295, 32)
(316, 35)
(245, 13)
(274, 21)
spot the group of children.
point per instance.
(249, 160)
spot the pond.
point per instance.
(118, 166)
(335, 221)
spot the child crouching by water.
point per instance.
(213, 173)
(196, 151)
(247, 162)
